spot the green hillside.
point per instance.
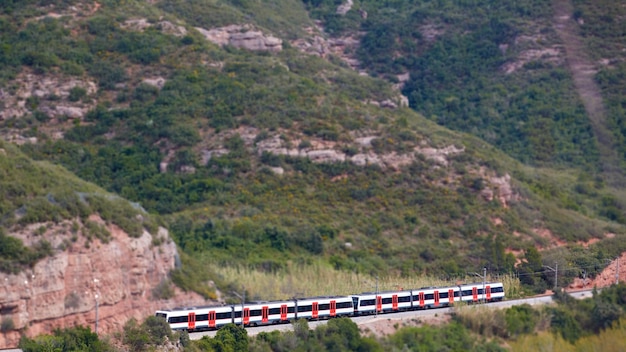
(39, 192)
(227, 148)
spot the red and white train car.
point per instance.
(264, 313)
(314, 308)
(324, 307)
(197, 318)
(381, 302)
(474, 292)
(435, 297)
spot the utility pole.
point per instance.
(484, 278)
(556, 273)
(243, 300)
(617, 272)
(96, 295)
(96, 314)
(376, 309)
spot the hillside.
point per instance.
(273, 137)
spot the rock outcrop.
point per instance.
(49, 94)
(242, 37)
(60, 291)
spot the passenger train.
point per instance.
(316, 308)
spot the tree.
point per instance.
(521, 319)
(158, 329)
(136, 338)
(604, 314)
(233, 338)
(71, 339)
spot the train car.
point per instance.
(381, 302)
(473, 293)
(264, 313)
(324, 307)
(435, 297)
(314, 308)
(197, 318)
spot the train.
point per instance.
(325, 307)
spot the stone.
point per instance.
(243, 37)
(59, 291)
(158, 82)
(344, 8)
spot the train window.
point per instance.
(443, 294)
(274, 310)
(344, 305)
(387, 300)
(223, 315)
(456, 293)
(291, 309)
(467, 293)
(497, 289)
(161, 315)
(181, 319)
(307, 308)
(238, 314)
(416, 298)
(324, 306)
(429, 296)
(367, 302)
(255, 313)
(402, 299)
(202, 317)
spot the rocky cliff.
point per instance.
(119, 280)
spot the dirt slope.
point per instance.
(583, 71)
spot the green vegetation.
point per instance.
(467, 72)
(71, 339)
(267, 216)
(570, 319)
(571, 324)
(38, 192)
(603, 34)
(14, 256)
(152, 332)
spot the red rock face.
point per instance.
(607, 277)
(60, 291)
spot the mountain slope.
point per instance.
(216, 116)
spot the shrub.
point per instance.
(72, 301)
(77, 93)
(158, 329)
(7, 324)
(521, 319)
(163, 290)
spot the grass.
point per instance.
(320, 279)
(610, 340)
(40, 192)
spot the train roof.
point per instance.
(194, 308)
(480, 283)
(320, 297)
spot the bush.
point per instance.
(158, 329)
(7, 324)
(521, 319)
(71, 339)
(163, 290)
(77, 93)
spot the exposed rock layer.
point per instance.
(60, 291)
